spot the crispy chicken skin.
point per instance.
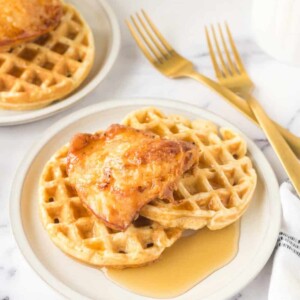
(120, 170)
(24, 20)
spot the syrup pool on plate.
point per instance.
(190, 260)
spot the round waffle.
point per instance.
(34, 74)
(216, 191)
(80, 234)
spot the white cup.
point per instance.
(276, 27)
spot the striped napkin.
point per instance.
(285, 278)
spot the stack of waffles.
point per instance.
(45, 67)
(214, 192)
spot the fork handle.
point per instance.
(242, 105)
(287, 157)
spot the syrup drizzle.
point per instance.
(190, 260)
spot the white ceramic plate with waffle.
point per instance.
(259, 226)
(53, 71)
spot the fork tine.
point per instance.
(230, 63)
(212, 55)
(224, 69)
(152, 37)
(156, 31)
(140, 44)
(146, 40)
(234, 50)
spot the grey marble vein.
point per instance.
(262, 143)
(236, 297)
(293, 119)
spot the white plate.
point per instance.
(259, 226)
(105, 27)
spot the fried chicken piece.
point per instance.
(120, 170)
(25, 20)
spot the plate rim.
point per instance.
(35, 115)
(16, 190)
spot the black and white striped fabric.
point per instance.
(285, 278)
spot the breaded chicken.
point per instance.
(120, 170)
(24, 20)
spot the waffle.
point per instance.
(214, 193)
(34, 74)
(77, 232)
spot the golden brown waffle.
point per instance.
(217, 191)
(77, 232)
(34, 74)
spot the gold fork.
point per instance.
(231, 73)
(166, 60)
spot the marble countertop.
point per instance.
(277, 88)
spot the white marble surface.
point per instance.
(182, 22)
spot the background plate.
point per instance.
(259, 226)
(104, 25)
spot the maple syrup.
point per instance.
(190, 260)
